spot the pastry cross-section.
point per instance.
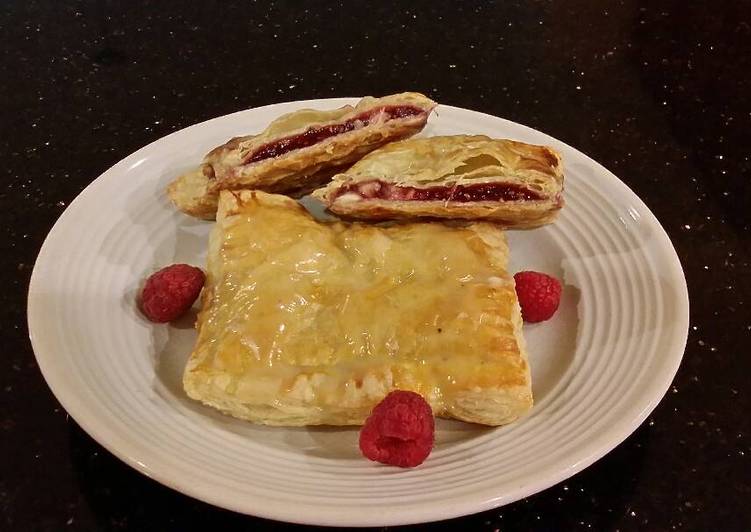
(306, 322)
(300, 151)
(463, 176)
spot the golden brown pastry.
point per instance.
(306, 323)
(300, 151)
(470, 177)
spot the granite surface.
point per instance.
(655, 91)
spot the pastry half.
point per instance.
(300, 151)
(307, 323)
(471, 177)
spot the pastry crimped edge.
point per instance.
(487, 406)
(298, 171)
(430, 161)
(190, 193)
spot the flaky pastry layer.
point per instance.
(530, 176)
(233, 165)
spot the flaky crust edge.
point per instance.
(507, 215)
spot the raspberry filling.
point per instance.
(316, 134)
(461, 193)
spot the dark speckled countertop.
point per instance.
(655, 91)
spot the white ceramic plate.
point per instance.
(598, 367)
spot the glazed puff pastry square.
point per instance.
(307, 323)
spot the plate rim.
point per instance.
(465, 505)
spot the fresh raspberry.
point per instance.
(539, 295)
(399, 430)
(170, 292)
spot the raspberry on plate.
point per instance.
(539, 295)
(171, 291)
(400, 430)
